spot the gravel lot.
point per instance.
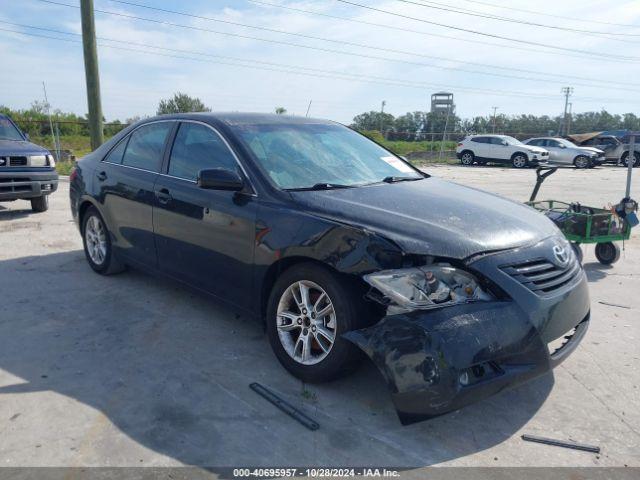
(134, 370)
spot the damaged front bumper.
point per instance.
(441, 360)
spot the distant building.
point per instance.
(442, 102)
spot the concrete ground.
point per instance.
(134, 370)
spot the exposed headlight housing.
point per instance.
(51, 160)
(427, 287)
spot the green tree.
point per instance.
(373, 121)
(181, 103)
(281, 110)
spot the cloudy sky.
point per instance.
(343, 56)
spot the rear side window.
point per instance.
(536, 143)
(146, 145)
(115, 155)
(196, 148)
(479, 139)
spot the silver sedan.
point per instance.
(564, 152)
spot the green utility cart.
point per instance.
(582, 224)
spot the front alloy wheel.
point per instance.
(309, 308)
(306, 322)
(519, 161)
(582, 162)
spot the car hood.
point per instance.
(21, 147)
(432, 216)
(591, 149)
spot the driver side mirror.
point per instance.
(504, 143)
(220, 179)
(26, 136)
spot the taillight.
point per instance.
(73, 175)
(460, 144)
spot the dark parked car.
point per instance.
(340, 247)
(27, 171)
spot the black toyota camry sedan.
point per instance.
(340, 247)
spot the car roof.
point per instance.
(238, 118)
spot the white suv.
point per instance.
(500, 149)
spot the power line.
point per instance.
(342, 52)
(380, 58)
(419, 32)
(491, 35)
(544, 14)
(475, 13)
(310, 71)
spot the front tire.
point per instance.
(519, 160)
(467, 158)
(309, 309)
(97, 244)
(40, 204)
(582, 162)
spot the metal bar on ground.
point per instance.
(560, 443)
(285, 406)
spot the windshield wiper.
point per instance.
(320, 186)
(400, 179)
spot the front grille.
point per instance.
(17, 161)
(542, 276)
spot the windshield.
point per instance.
(564, 142)
(8, 130)
(312, 155)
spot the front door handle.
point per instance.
(164, 196)
(102, 176)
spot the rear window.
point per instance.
(146, 146)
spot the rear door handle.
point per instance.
(102, 176)
(164, 196)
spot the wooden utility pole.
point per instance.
(91, 73)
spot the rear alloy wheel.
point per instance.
(607, 253)
(309, 310)
(519, 160)
(97, 244)
(40, 204)
(581, 162)
(467, 158)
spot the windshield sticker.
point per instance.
(398, 164)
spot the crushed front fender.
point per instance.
(441, 360)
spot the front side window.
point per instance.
(535, 143)
(196, 148)
(146, 145)
(300, 156)
(553, 143)
(8, 130)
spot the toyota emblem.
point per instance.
(561, 254)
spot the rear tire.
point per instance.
(40, 204)
(581, 162)
(607, 253)
(519, 160)
(466, 158)
(292, 324)
(96, 239)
